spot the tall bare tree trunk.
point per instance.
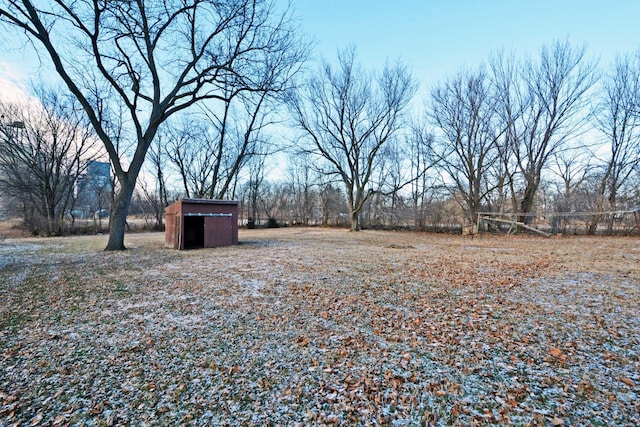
(118, 219)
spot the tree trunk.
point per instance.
(118, 218)
(355, 220)
(527, 203)
(472, 210)
(612, 207)
(593, 225)
(51, 219)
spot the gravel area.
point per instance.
(321, 327)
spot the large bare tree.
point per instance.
(556, 93)
(618, 118)
(346, 115)
(508, 104)
(542, 104)
(462, 109)
(154, 59)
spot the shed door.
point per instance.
(193, 232)
(218, 231)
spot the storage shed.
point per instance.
(201, 223)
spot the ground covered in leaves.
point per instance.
(321, 327)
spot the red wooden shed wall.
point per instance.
(201, 223)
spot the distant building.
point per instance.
(99, 174)
(93, 189)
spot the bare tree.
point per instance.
(191, 154)
(157, 197)
(210, 149)
(333, 204)
(573, 167)
(420, 143)
(253, 189)
(462, 108)
(302, 180)
(556, 92)
(508, 101)
(346, 116)
(43, 151)
(387, 205)
(242, 122)
(155, 59)
(618, 118)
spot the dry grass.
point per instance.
(313, 326)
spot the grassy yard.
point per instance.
(321, 327)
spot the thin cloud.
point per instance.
(12, 85)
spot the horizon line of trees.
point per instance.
(525, 136)
(528, 136)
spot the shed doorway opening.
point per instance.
(193, 232)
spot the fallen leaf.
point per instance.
(36, 420)
(303, 341)
(557, 353)
(60, 419)
(628, 381)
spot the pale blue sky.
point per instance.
(437, 37)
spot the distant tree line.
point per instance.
(202, 98)
(530, 137)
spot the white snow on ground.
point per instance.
(324, 327)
